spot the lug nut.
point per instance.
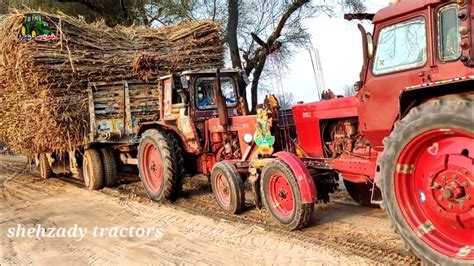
(461, 206)
(450, 206)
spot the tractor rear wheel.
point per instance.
(45, 169)
(427, 180)
(361, 193)
(228, 187)
(282, 197)
(93, 170)
(110, 167)
(160, 165)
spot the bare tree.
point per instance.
(287, 100)
(349, 90)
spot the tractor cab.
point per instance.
(191, 99)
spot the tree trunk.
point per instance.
(256, 78)
(232, 41)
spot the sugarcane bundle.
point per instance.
(43, 82)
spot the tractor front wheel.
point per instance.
(228, 187)
(282, 197)
(428, 183)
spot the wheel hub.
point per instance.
(281, 194)
(451, 195)
(435, 190)
(222, 189)
(152, 166)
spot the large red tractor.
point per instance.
(409, 131)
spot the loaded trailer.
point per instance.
(115, 111)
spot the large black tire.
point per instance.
(45, 169)
(301, 213)
(451, 112)
(171, 164)
(93, 170)
(361, 193)
(110, 167)
(227, 183)
(178, 162)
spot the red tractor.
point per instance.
(406, 137)
(203, 129)
(409, 131)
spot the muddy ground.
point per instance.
(191, 231)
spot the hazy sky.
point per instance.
(340, 48)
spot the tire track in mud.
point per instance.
(233, 240)
(199, 202)
(367, 245)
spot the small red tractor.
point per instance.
(203, 129)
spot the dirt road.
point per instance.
(192, 231)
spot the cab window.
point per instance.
(205, 95)
(401, 46)
(449, 38)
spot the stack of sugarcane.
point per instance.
(43, 84)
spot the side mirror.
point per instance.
(370, 46)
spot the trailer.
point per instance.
(115, 111)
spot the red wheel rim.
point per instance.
(152, 167)
(222, 189)
(435, 190)
(281, 195)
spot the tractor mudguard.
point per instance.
(305, 180)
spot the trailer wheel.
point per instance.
(92, 170)
(110, 167)
(228, 187)
(158, 165)
(45, 169)
(427, 180)
(282, 197)
(361, 193)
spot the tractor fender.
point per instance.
(303, 177)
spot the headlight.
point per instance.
(248, 138)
